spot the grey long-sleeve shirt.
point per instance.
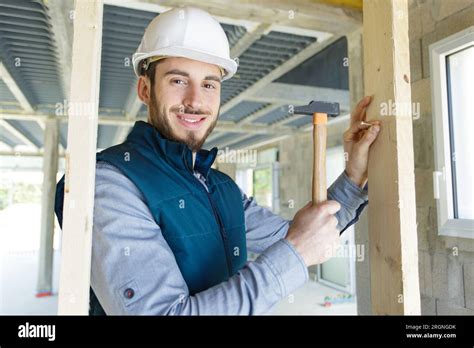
(129, 252)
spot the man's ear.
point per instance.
(144, 89)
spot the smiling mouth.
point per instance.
(191, 121)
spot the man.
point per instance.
(170, 234)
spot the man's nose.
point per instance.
(193, 98)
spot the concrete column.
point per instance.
(50, 169)
(356, 91)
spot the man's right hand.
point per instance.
(314, 232)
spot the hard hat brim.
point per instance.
(229, 65)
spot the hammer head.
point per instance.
(331, 109)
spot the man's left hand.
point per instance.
(357, 140)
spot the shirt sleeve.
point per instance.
(352, 199)
(265, 228)
(134, 271)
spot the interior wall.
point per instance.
(446, 264)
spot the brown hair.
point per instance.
(150, 72)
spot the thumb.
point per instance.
(369, 137)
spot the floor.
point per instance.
(18, 284)
(19, 242)
(309, 300)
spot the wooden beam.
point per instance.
(361, 228)
(302, 14)
(353, 4)
(392, 208)
(74, 281)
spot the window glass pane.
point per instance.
(461, 100)
(244, 179)
(262, 186)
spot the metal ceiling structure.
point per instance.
(254, 107)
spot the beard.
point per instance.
(161, 122)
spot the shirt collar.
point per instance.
(145, 135)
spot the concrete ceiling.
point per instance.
(278, 66)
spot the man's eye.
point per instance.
(180, 82)
(209, 86)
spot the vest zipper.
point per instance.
(223, 234)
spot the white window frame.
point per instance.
(442, 178)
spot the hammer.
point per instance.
(320, 111)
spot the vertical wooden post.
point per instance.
(50, 170)
(361, 229)
(392, 207)
(74, 279)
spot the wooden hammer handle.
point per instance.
(319, 157)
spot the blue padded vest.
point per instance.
(205, 230)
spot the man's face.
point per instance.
(184, 101)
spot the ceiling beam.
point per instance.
(9, 128)
(26, 154)
(153, 6)
(297, 59)
(336, 128)
(213, 136)
(222, 126)
(291, 94)
(320, 16)
(5, 146)
(15, 89)
(22, 100)
(256, 115)
(353, 4)
(248, 39)
(289, 119)
(236, 139)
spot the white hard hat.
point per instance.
(186, 32)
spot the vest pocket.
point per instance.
(185, 217)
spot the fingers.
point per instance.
(331, 207)
(358, 112)
(369, 137)
(353, 132)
